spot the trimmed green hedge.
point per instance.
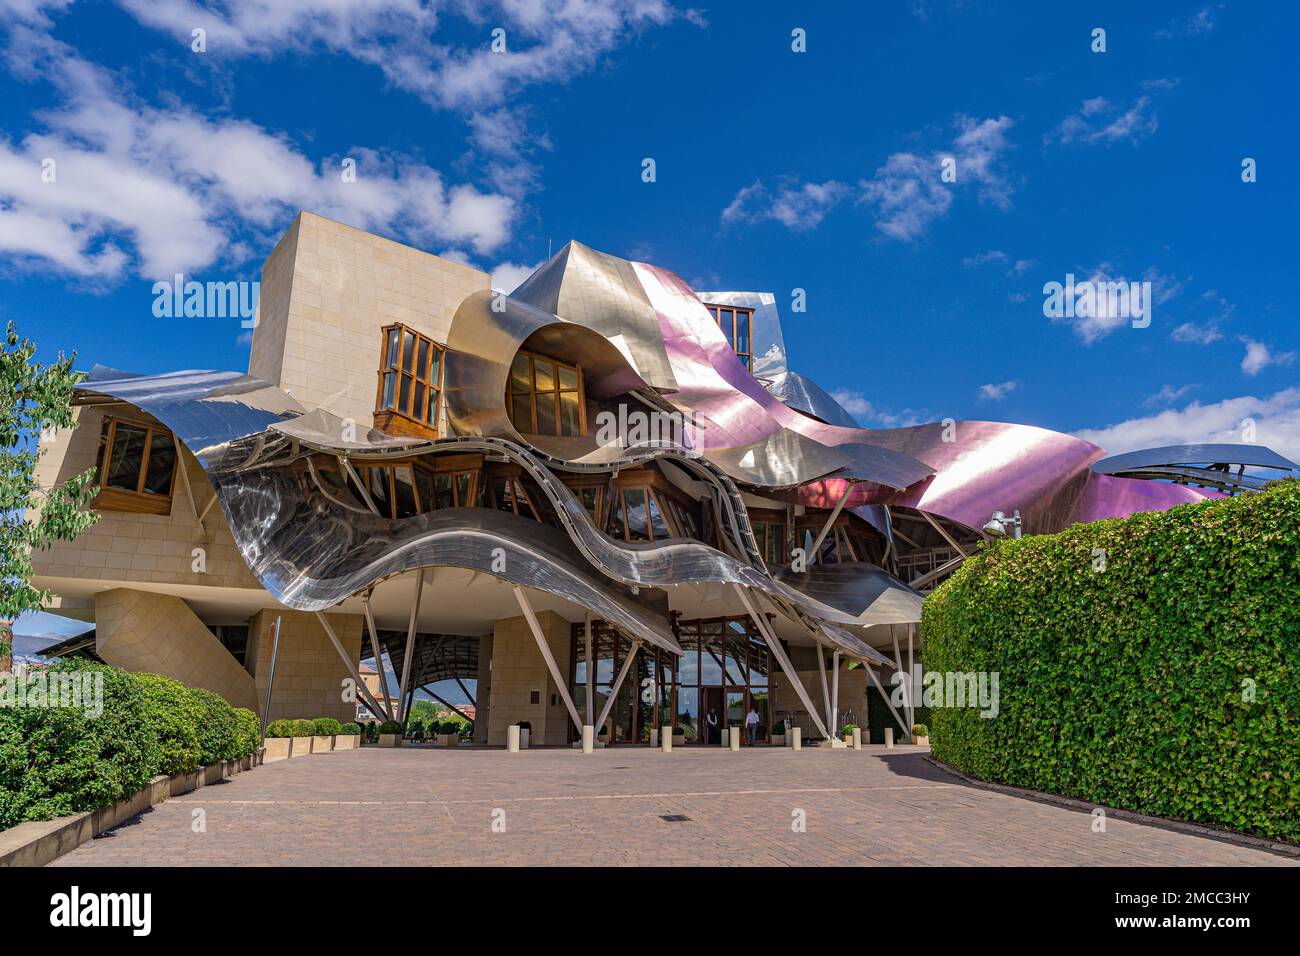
(60, 760)
(175, 715)
(326, 727)
(1167, 683)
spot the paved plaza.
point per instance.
(629, 806)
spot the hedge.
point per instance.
(326, 727)
(59, 760)
(1150, 663)
(175, 715)
(55, 761)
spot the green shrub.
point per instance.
(1167, 683)
(351, 729)
(303, 728)
(216, 726)
(920, 730)
(175, 716)
(390, 727)
(281, 728)
(60, 760)
(847, 730)
(326, 727)
(248, 732)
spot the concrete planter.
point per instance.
(679, 740)
(778, 740)
(322, 745)
(277, 748)
(390, 740)
(921, 741)
(299, 746)
(448, 740)
(347, 741)
(212, 773)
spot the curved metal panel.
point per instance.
(601, 292)
(1252, 456)
(804, 395)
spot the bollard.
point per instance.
(797, 740)
(857, 738)
(734, 740)
(666, 739)
(723, 740)
(654, 737)
(588, 738)
(889, 738)
(512, 739)
(524, 736)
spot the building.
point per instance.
(604, 499)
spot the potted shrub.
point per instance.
(300, 740)
(390, 734)
(679, 736)
(349, 737)
(921, 735)
(323, 731)
(417, 735)
(778, 734)
(279, 740)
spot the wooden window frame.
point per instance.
(138, 501)
(433, 390)
(454, 466)
(556, 392)
(733, 313)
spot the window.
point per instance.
(735, 324)
(770, 537)
(410, 378)
(402, 489)
(135, 467)
(646, 507)
(545, 397)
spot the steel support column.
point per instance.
(362, 689)
(379, 658)
(545, 648)
(779, 653)
(410, 647)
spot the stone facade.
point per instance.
(159, 634)
(519, 671)
(327, 291)
(309, 677)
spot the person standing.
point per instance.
(751, 724)
(711, 722)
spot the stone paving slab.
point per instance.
(437, 807)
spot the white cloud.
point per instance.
(795, 205)
(908, 194)
(156, 191)
(1276, 422)
(857, 405)
(1259, 357)
(1198, 24)
(995, 393)
(547, 41)
(1098, 121)
(507, 275)
(993, 255)
(1167, 395)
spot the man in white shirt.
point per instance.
(751, 724)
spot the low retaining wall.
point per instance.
(42, 841)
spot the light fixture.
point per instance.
(998, 524)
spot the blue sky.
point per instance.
(775, 170)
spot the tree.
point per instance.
(35, 399)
